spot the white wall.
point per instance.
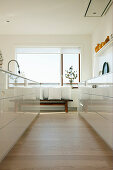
(104, 29)
(8, 43)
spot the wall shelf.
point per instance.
(104, 48)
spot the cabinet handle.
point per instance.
(94, 86)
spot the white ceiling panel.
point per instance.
(96, 8)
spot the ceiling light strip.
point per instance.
(87, 8)
(106, 7)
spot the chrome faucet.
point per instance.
(16, 63)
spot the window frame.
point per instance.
(62, 83)
(61, 71)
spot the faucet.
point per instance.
(16, 63)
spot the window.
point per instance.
(42, 68)
(44, 65)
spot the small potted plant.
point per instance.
(71, 75)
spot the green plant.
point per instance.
(71, 74)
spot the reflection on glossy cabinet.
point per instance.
(96, 105)
(13, 122)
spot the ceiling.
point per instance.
(45, 17)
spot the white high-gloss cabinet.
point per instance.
(13, 119)
(96, 105)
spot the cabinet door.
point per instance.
(101, 117)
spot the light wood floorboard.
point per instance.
(59, 141)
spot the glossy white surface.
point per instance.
(96, 105)
(13, 119)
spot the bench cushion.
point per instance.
(54, 93)
(45, 92)
(41, 93)
(66, 93)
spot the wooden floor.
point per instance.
(59, 141)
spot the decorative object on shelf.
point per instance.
(103, 49)
(71, 75)
(1, 59)
(105, 68)
(99, 46)
(107, 39)
(103, 43)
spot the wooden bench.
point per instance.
(56, 102)
(20, 103)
